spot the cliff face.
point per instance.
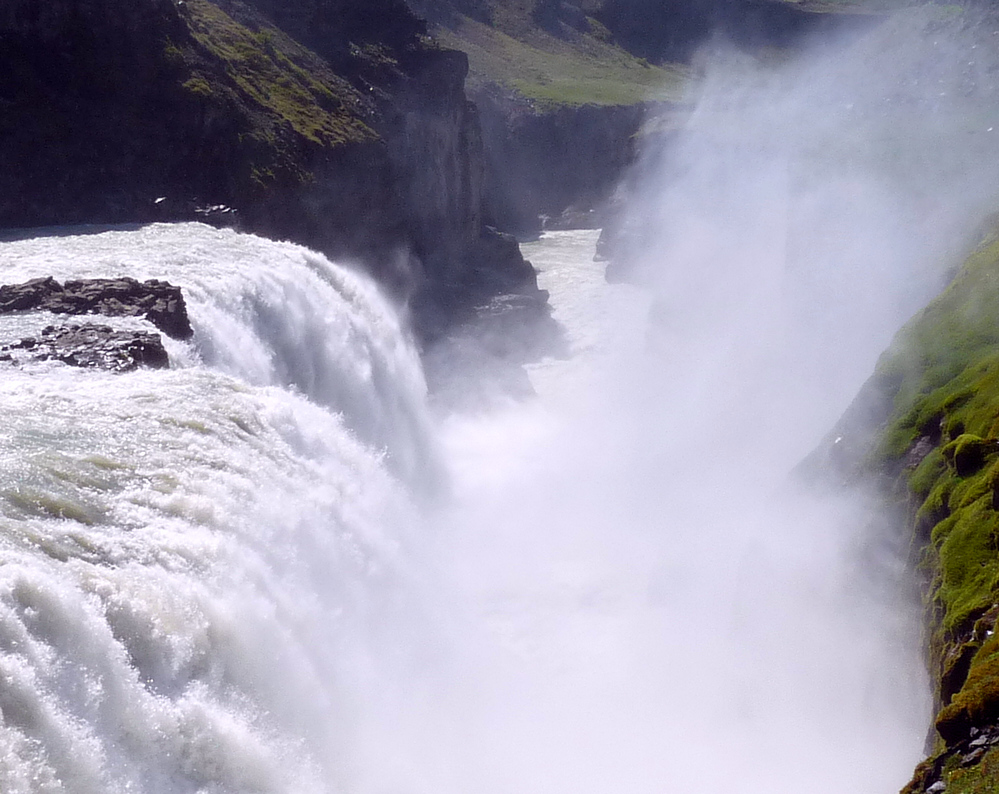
(331, 124)
(557, 167)
(926, 426)
(562, 90)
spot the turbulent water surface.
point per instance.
(186, 552)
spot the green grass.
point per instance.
(981, 778)
(553, 71)
(946, 359)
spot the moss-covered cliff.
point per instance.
(927, 427)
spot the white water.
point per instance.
(270, 570)
(659, 610)
(189, 558)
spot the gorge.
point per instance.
(693, 545)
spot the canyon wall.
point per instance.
(334, 125)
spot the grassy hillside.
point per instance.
(614, 52)
(581, 69)
(554, 54)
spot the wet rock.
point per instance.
(918, 452)
(973, 756)
(159, 302)
(91, 346)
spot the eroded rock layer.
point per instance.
(159, 302)
(91, 346)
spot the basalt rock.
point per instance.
(159, 302)
(90, 346)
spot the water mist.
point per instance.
(642, 596)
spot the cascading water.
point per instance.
(245, 573)
(186, 554)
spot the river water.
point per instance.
(275, 568)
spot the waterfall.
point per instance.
(188, 557)
(278, 568)
(273, 568)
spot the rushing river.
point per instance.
(273, 568)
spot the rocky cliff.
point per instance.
(562, 87)
(331, 124)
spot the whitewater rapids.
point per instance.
(272, 568)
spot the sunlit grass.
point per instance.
(550, 70)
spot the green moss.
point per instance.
(268, 71)
(924, 477)
(198, 86)
(981, 778)
(945, 364)
(969, 566)
(977, 703)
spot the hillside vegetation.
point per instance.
(581, 68)
(550, 52)
(611, 52)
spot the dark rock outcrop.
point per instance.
(160, 303)
(90, 346)
(493, 274)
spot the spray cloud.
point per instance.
(638, 596)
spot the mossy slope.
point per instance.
(582, 68)
(613, 52)
(940, 451)
(263, 66)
